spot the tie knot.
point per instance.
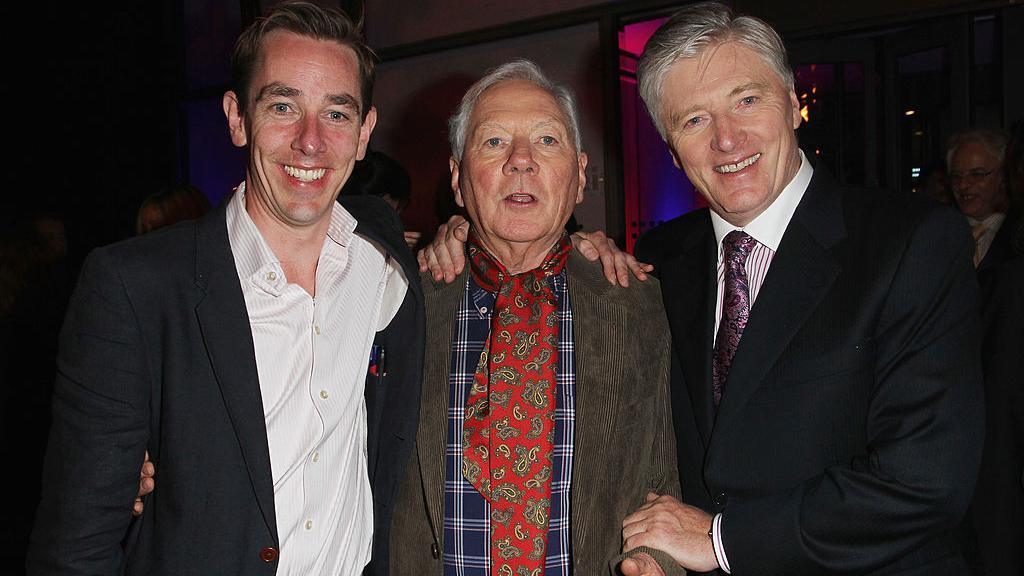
(737, 245)
(978, 230)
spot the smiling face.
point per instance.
(520, 175)
(302, 128)
(729, 122)
(976, 177)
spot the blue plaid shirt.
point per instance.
(467, 548)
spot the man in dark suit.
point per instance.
(828, 409)
(203, 344)
(979, 181)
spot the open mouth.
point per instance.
(303, 175)
(520, 198)
(731, 168)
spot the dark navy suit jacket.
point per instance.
(850, 427)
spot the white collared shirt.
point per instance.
(767, 228)
(992, 223)
(311, 357)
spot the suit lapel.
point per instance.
(224, 324)
(801, 273)
(441, 301)
(691, 313)
(598, 335)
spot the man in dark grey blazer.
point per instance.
(518, 169)
(203, 344)
(829, 410)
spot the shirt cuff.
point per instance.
(716, 540)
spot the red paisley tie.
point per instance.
(508, 432)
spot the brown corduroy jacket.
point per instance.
(624, 443)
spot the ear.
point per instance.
(453, 166)
(583, 177)
(795, 104)
(236, 120)
(364, 132)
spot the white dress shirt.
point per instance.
(983, 242)
(311, 357)
(767, 229)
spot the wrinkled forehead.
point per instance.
(517, 101)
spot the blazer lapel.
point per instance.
(224, 324)
(598, 335)
(800, 275)
(441, 301)
(691, 313)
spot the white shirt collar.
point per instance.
(255, 260)
(992, 221)
(769, 226)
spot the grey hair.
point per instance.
(695, 28)
(994, 140)
(520, 69)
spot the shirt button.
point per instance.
(309, 524)
(483, 309)
(323, 394)
(317, 330)
(316, 456)
(271, 276)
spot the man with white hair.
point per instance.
(974, 159)
(544, 416)
(828, 413)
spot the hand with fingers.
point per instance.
(641, 564)
(618, 265)
(678, 529)
(146, 483)
(445, 257)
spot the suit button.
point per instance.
(268, 554)
(720, 499)
(434, 552)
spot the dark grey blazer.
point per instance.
(156, 354)
(624, 445)
(849, 432)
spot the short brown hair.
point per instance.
(305, 19)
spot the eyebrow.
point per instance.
(280, 90)
(277, 89)
(344, 100)
(748, 86)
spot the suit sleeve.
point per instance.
(98, 433)
(664, 465)
(924, 430)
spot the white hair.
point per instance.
(520, 69)
(695, 28)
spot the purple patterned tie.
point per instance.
(735, 306)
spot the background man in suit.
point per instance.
(980, 188)
(204, 344)
(828, 411)
(531, 353)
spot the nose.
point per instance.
(520, 159)
(308, 138)
(728, 133)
